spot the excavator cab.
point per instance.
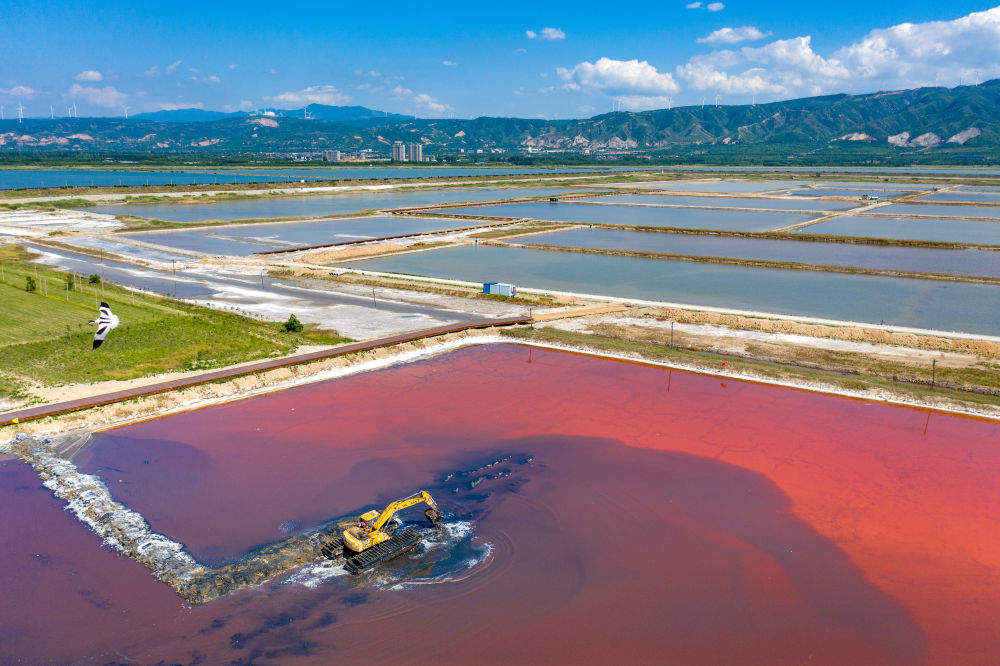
(374, 538)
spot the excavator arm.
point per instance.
(399, 505)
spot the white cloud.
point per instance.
(244, 105)
(421, 102)
(747, 33)
(693, 5)
(233, 65)
(19, 91)
(643, 102)
(325, 94)
(89, 75)
(272, 70)
(107, 96)
(715, 6)
(908, 53)
(154, 71)
(449, 63)
(902, 56)
(550, 34)
(626, 77)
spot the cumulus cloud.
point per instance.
(643, 102)
(715, 6)
(902, 56)
(107, 96)
(622, 77)
(422, 102)
(325, 94)
(693, 5)
(155, 71)
(89, 76)
(19, 91)
(449, 63)
(550, 34)
(233, 65)
(746, 33)
(244, 105)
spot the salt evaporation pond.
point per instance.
(723, 186)
(853, 193)
(982, 232)
(955, 262)
(930, 304)
(664, 516)
(242, 240)
(963, 197)
(941, 211)
(724, 202)
(313, 205)
(686, 218)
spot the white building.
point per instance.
(415, 152)
(398, 152)
(331, 155)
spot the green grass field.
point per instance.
(45, 337)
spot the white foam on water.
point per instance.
(118, 526)
(316, 575)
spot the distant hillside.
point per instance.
(919, 119)
(184, 115)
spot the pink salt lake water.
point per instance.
(663, 516)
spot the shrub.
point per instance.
(94, 279)
(30, 284)
(293, 325)
(70, 282)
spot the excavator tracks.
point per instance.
(334, 548)
(400, 543)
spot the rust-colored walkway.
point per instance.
(53, 409)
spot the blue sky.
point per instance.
(444, 59)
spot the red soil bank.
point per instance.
(666, 516)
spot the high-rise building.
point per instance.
(415, 151)
(331, 155)
(398, 152)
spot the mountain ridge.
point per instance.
(920, 118)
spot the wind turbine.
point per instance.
(1, 112)
(52, 113)
(76, 114)
(125, 111)
(20, 112)
(716, 100)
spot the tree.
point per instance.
(30, 284)
(293, 325)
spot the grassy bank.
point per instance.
(45, 337)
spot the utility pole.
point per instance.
(374, 304)
(933, 372)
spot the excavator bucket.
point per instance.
(433, 515)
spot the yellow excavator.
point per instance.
(373, 539)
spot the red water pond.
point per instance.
(663, 516)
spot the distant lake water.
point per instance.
(13, 179)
